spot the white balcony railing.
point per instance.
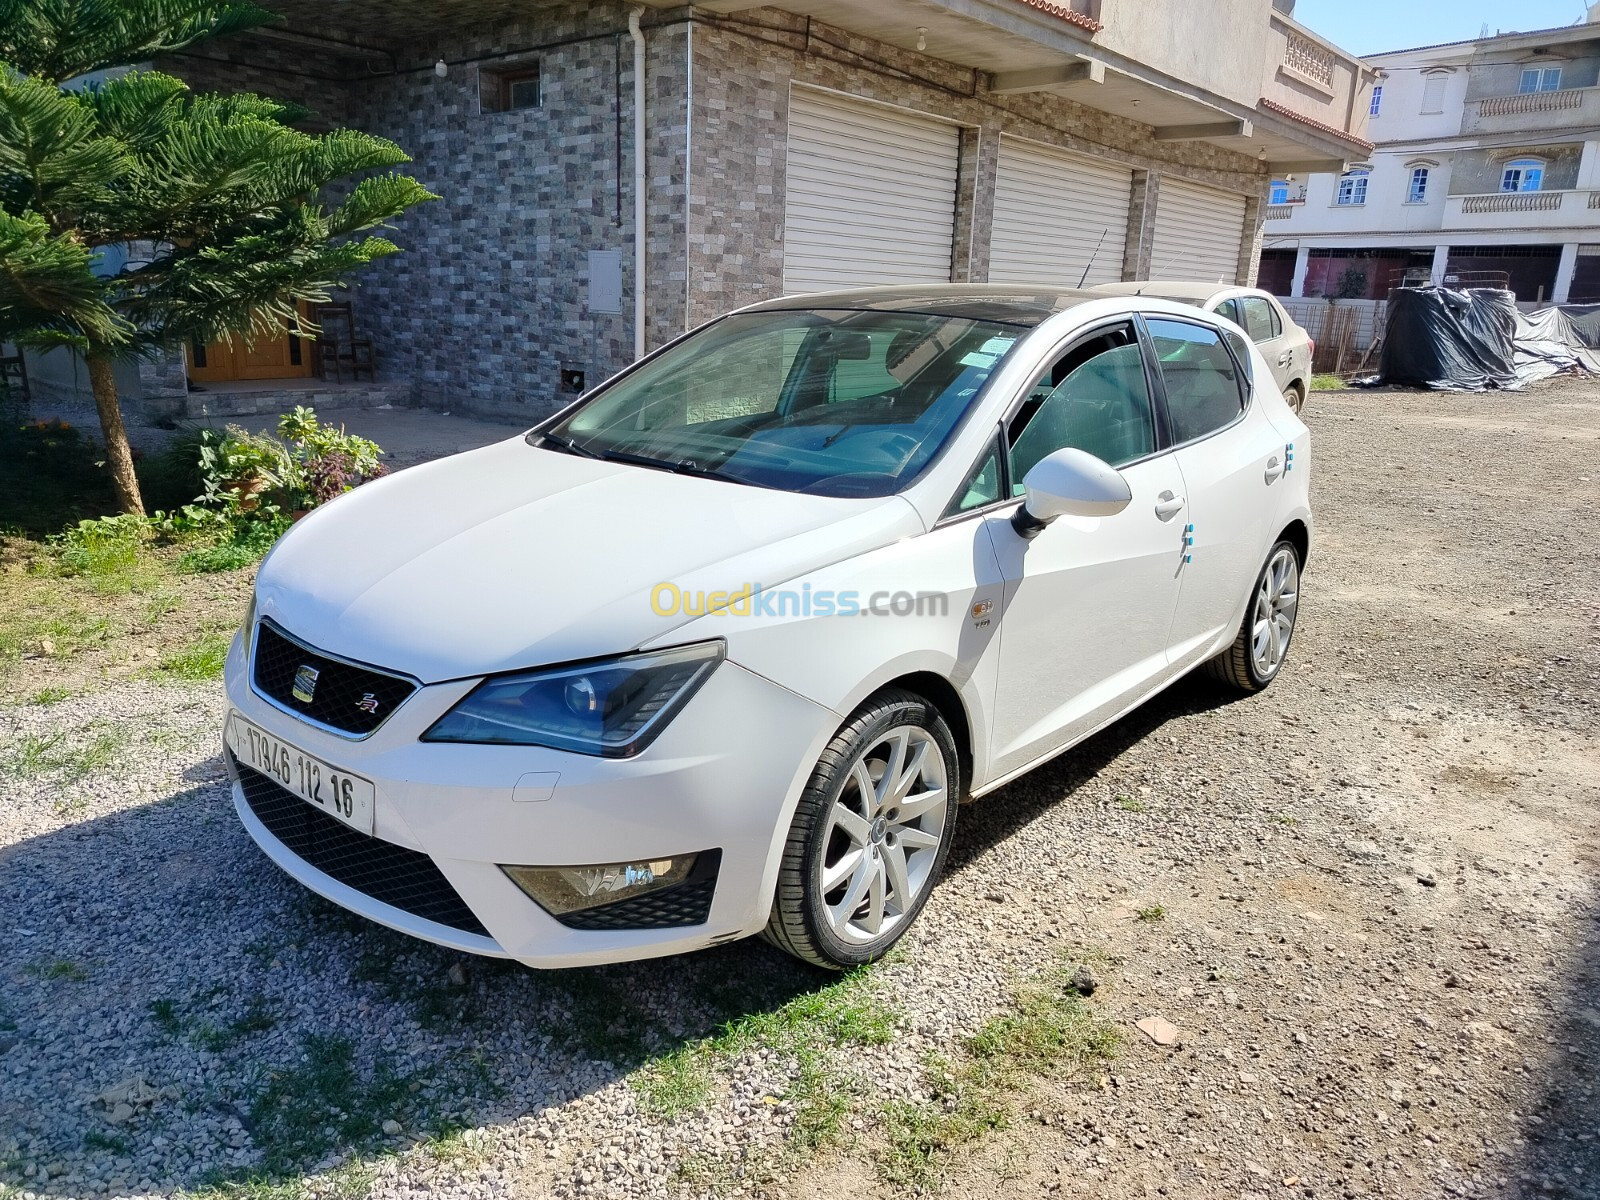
(1280, 212)
(1522, 210)
(1503, 202)
(1529, 103)
(1522, 111)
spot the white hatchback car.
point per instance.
(717, 650)
(1286, 347)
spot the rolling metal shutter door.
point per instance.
(1199, 233)
(1055, 214)
(871, 195)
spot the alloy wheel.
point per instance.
(881, 841)
(1277, 600)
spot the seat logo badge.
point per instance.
(305, 684)
(368, 703)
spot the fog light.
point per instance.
(560, 890)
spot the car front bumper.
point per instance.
(724, 775)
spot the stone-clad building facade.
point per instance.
(490, 307)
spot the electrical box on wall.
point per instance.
(605, 281)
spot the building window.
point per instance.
(1352, 188)
(1433, 85)
(1536, 79)
(1522, 175)
(1278, 193)
(1377, 100)
(1417, 191)
(510, 88)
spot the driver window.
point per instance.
(1095, 399)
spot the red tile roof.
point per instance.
(1066, 14)
(1284, 110)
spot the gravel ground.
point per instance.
(1366, 900)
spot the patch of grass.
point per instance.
(1048, 1030)
(1154, 913)
(58, 968)
(1327, 383)
(844, 1013)
(352, 1181)
(164, 1013)
(158, 606)
(36, 754)
(203, 658)
(1129, 804)
(205, 1034)
(322, 1102)
(52, 631)
(1285, 819)
(245, 545)
(49, 695)
(111, 1144)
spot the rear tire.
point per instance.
(870, 834)
(1295, 396)
(1262, 645)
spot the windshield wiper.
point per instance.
(685, 466)
(569, 445)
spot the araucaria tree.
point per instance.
(215, 198)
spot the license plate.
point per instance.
(343, 796)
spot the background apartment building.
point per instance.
(1487, 167)
(611, 176)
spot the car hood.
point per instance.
(514, 556)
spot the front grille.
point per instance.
(345, 696)
(391, 874)
(687, 903)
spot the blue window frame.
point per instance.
(1278, 193)
(1352, 188)
(1417, 189)
(1377, 100)
(1522, 175)
(1540, 79)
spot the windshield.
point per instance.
(830, 402)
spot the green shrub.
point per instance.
(245, 544)
(107, 546)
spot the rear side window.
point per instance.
(1260, 319)
(1202, 380)
(1094, 398)
(1230, 309)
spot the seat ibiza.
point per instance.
(719, 649)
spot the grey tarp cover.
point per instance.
(1455, 341)
(1478, 339)
(1549, 341)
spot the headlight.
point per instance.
(613, 708)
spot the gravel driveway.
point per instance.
(1365, 901)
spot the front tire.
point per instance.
(870, 834)
(1262, 645)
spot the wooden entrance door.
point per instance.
(285, 357)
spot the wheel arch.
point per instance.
(1298, 534)
(944, 696)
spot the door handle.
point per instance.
(1168, 505)
(1285, 358)
(1274, 468)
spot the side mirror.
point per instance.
(1070, 482)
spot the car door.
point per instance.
(1088, 602)
(1230, 458)
(1267, 331)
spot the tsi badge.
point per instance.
(305, 684)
